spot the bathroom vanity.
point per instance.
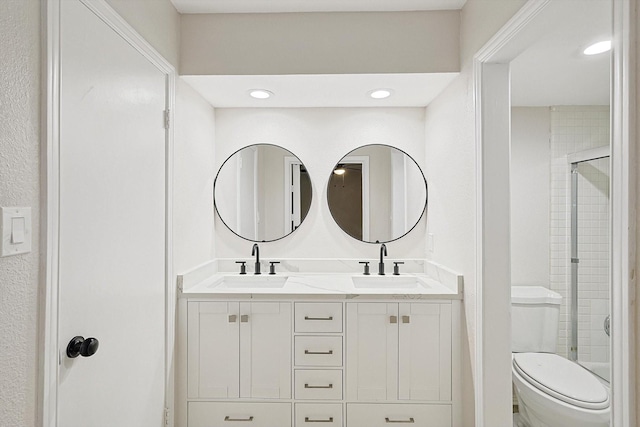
(319, 349)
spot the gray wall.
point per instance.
(320, 43)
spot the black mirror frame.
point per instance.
(215, 181)
(426, 188)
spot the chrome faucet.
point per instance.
(256, 251)
(383, 252)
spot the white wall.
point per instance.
(320, 137)
(320, 43)
(450, 171)
(193, 179)
(19, 186)
(530, 195)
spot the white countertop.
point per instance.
(340, 285)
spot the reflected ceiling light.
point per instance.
(380, 93)
(260, 94)
(339, 171)
(600, 47)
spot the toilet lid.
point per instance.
(562, 379)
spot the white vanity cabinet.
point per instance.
(295, 361)
(399, 351)
(239, 350)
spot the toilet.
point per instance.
(552, 391)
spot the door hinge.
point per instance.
(166, 416)
(167, 119)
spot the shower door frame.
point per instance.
(573, 161)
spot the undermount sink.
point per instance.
(390, 282)
(251, 281)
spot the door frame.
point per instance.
(492, 108)
(50, 208)
(366, 208)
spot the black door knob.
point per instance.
(79, 346)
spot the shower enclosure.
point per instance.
(590, 261)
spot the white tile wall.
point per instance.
(574, 129)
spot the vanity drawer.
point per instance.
(225, 414)
(318, 414)
(318, 317)
(318, 384)
(386, 415)
(318, 351)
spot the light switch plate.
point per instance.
(16, 226)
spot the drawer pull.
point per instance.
(393, 319)
(318, 352)
(228, 418)
(410, 420)
(233, 318)
(309, 420)
(406, 319)
(244, 318)
(318, 386)
(318, 318)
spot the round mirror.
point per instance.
(262, 192)
(377, 193)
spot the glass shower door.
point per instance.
(590, 265)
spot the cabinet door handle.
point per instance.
(309, 420)
(318, 386)
(393, 319)
(228, 418)
(406, 319)
(233, 318)
(244, 318)
(318, 318)
(318, 352)
(410, 420)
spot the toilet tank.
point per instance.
(535, 311)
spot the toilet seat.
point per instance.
(562, 379)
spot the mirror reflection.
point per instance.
(262, 192)
(377, 193)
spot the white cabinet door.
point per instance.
(213, 346)
(372, 351)
(398, 351)
(424, 351)
(265, 350)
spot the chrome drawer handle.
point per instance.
(309, 420)
(410, 420)
(318, 386)
(318, 318)
(228, 418)
(318, 352)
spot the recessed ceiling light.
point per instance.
(380, 93)
(600, 47)
(260, 93)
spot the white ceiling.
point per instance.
(277, 6)
(554, 71)
(330, 90)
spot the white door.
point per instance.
(265, 350)
(424, 367)
(372, 351)
(213, 363)
(111, 226)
